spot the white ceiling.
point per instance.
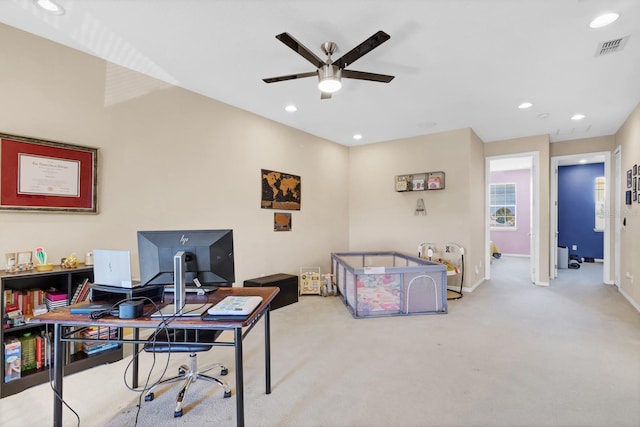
(457, 63)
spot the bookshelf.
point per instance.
(31, 283)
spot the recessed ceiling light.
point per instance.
(50, 6)
(543, 115)
(291, 108)
(525, 105)
(578, 117)
(357, 137)
(604, 20)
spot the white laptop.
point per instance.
(112, 268)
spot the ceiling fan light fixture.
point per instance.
(329, 79)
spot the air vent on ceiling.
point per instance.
(611, 46)
(571, 131)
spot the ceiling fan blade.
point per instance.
(361, 75)
(362, 49)
(290, 77)
(300, 49)
(325, 95)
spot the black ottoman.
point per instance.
(287, 283)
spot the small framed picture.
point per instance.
(635, 196)
(10, 260)
(24, 257)
(282, 221)
(418, 184)
(629, 178)
(635, 170)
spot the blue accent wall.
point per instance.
(576, 209)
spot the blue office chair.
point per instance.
(185, 341)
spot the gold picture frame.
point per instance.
(40, 175)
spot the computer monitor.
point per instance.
(179, 257)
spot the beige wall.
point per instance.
(382, 219)
(583, 146)
(169, 159)
(628, 137)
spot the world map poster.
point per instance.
(280, 191)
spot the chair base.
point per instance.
(190, 374)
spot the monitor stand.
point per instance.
(179, 286)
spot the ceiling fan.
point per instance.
(330, 72)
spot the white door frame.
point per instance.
(534, 204)
(617, 208)
(574, 159)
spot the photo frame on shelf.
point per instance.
(10, 259)
(41, 175)
(435, 181)
(24, 257)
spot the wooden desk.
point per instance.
(66, 325)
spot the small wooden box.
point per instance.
(287, 283)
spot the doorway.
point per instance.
(573, 160)
(512, 221)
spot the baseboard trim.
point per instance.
(628, 298)
(469, 289)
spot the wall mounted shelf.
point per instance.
(420, 181)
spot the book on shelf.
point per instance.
(81, 293)
(56, 295)
(39, 352)
(26, 301)
(99, 332)
(55, 299)
(93, 348)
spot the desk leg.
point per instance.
(136, 348)
(267, 349)
(239, 378)
(58, 373)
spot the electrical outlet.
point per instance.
(574, 247)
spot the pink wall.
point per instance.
(515, 242)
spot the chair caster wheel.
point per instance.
(227, 394)
(224, 371)
(177, 414)
(149, 397)
(182, 370)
